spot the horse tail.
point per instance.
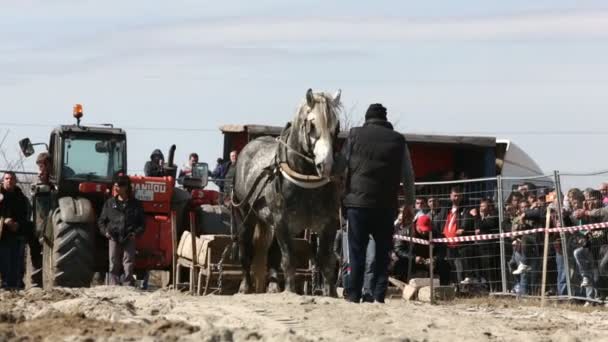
(262, 238)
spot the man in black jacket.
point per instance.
(14, 226)
(378, 160)
(121, 220)
(487, 253)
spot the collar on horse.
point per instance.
(299, 179)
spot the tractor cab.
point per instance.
(84, 159)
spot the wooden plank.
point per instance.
(396, 282)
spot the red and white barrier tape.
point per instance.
(407, 238)
(484, 237)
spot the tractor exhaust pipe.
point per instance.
(170, 168)
(171, 155)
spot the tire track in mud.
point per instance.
(265, 320)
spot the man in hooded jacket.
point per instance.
(154, 167)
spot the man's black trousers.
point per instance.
(363, 222)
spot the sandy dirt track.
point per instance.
(122, 314)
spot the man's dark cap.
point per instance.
(375, 111)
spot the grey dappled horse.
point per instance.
(285, 186)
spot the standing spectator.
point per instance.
(524, 248)
(121, 220)
(187, 169)
(217, 174)
(604, 191)
(514, 199)
(230, 171)
(435, 214)
(457, 222)
(588, 241)
(486, 222)
(14, 208)
(154, 167)
(42, 203)
(420, 207)
(378, 160)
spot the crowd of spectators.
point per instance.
(467, 212)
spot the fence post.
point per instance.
(558, 192)
(503, 258)
(174, 248)
(545, 257)
(431, 267)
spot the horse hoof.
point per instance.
(273, 288)
(244, 288)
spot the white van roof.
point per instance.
(516, 162)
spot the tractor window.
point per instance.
(92, 158)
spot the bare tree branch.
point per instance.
(349, 119)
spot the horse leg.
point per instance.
(246, 253)
(274, 265)
(327, 260)
(261, 241)
(287, 257)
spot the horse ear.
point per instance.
(336, 99)
(310, 100)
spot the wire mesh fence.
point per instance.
(521, 236)
(464, 208)
(524, 209)
(587, 249)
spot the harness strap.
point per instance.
(267, 171)
(303, 156)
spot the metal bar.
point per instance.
(174, 246)
(431, 268)
(595, 173)
(503, 257)
(527, 177)
(21, 172)
(558, 191)
(410, 253)
(545, 257)
(193, 269)
(457, 181)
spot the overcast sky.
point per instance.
(535, 72)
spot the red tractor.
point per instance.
(84, 161)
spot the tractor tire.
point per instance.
(68, 259)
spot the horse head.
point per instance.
(317, 125)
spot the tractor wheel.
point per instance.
(68, 260)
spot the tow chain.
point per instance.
(220, 269)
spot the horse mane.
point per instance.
(327, 113)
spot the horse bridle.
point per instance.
(301, 180)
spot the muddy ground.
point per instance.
(122, 314)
